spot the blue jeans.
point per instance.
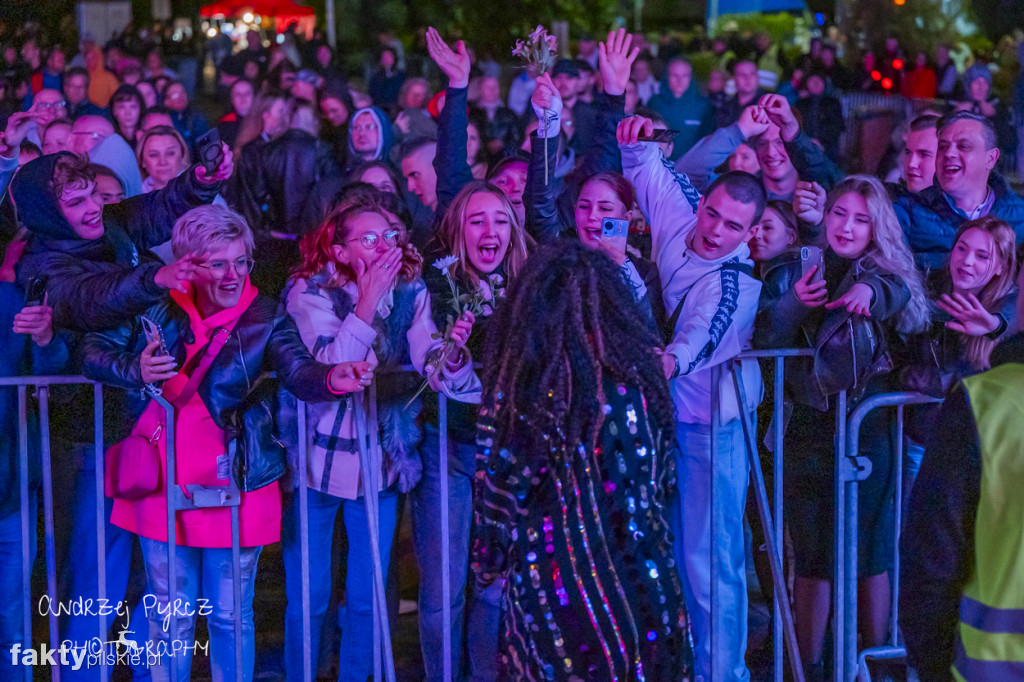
(80, 630)
(913, 455)
(12, 587)
(691, 525)
(485, 606)
(356, 650)
(205, 587)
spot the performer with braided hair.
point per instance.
(576, 437)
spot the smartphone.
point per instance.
(811, 256)
(154, 333)
(36, 293)
(210, 152)
(614, 227)
(659, 136)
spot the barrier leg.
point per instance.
(716, 426)
(307, 629)
(446, 583)
(382, 634)
(778, 539)
(51, 554)
(840, 623)
(101, 518)
(774, 559)
(894, 609)
(26, 537)
(236, 585)
(172, 572)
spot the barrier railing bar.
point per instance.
(236, 597)
(101, 518)
(369, 472)
(51, 553)
(840, 607)
(856, 473)
(781, 590)
(446, 586)
(307, 629)
(26, 506)
(716, 425)
(778, 408)
(172, 573)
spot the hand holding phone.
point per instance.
(154, 334)
(812, 257)
(659, 136)
(210, 151)
(612, 228)
(36, 292)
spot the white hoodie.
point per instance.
(716, 322)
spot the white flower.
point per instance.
(443, 264)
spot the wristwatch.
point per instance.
(678, 370)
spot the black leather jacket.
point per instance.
(291, 166)
(236, 390)
(850, 349)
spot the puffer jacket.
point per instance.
(849, 349)
(292, 166)
(96, 284)
(236, 390)
(930, 222)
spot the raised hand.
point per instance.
(454, 63)
(17, 128)
(809, 202)
(753, 121)
(616, 60)
(155, 367)
(811, 294)
(546, 97)
(969, 315)
(224, 170)
(781, 114)
(176, 274)
(631, 127)
(857, 300)
(350, 377)
(374, 281)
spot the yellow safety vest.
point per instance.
(990, 645)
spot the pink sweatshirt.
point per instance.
(199, 442)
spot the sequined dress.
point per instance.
(591, 591)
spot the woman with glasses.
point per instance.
(369, 137)
(358, 295)
(225, 431)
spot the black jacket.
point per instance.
(236, 390)
(98, 283)
(784, 322)
(937, 543)
(291, 166)
(244, 190)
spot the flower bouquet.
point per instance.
(540, 50)
(462, 302)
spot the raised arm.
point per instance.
(665, 196)
(541, 197)
(617, 55)
(711, 151)
(809, 159)
(148, 218)
(450, 161)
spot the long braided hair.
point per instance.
(575, 324)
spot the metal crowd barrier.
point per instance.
(364, 405)
(850, 468)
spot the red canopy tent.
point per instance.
(284, 12)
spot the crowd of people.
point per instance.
(566, 265)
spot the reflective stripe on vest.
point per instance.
(991, 633)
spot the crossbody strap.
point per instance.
(213, 348)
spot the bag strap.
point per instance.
(220, 337)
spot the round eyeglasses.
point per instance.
(219, 268)
(369, 239)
